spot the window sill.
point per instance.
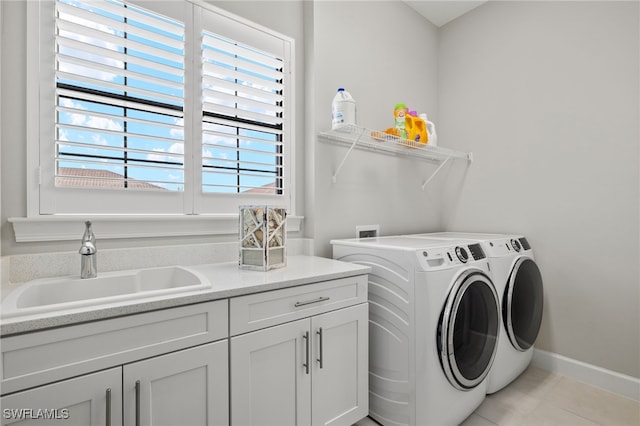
(69, 227)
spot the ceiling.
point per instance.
(441, 12)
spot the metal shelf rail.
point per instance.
(373, 140)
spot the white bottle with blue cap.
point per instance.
(343, 109)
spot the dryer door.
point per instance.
(468, 330)
(522, 303)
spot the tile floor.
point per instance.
(541, 398)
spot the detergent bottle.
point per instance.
(431, 131)
(343, 109)
(400, 118)
(416, 129)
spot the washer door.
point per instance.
(522, 304)
(468, 330)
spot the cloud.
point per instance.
(176, 148)
(87, 120)
(62, 135)
(216, 140)
(178, 133)
(99, 140)
(103, 123)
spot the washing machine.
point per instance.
(433, 325)
(519, 285)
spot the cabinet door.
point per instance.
(340, 386)
(93, 399)
(188, 387)
(270, 384)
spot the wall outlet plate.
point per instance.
(367, 231)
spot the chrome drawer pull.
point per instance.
(305, 336)
(108, 421)
(319, 333)
(309, 302)
(138, 403)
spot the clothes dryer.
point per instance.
(433, 326)
(519, 285)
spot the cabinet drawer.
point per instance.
(260, 310)
(42, 357)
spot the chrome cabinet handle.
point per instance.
(305, 336)
(309, 302)
(137, 402)
(108, 396)
(319, 333)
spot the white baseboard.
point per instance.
(611, 381)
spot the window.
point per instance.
(119, 98)
(160, 108)
(240, 82)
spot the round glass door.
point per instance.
(468, 330)
(522, 304)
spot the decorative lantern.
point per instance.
(262, 237)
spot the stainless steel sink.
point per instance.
(63, 293)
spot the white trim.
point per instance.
(33, 110)
(609, 380)
(70, 227)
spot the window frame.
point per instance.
(41, 191)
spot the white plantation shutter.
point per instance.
(245, 79)
(120, 83)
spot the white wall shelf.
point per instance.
(373, 140)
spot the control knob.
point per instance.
(462, 254)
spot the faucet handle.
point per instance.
(88, 264)
(88, 236)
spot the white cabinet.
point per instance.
(340, 381)
(92, 399)
(269, 386)
(145, 377)
(188, 387)
(312, 370)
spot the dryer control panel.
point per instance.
(506, 246)
(443, 257)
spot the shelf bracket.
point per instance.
(353, 145)
(424, 185)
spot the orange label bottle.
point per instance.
(400, 116)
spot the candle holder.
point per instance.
(262, 237)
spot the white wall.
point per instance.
(546, 96)
(383, 53)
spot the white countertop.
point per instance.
(227, 279)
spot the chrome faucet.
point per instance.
(88, 253)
